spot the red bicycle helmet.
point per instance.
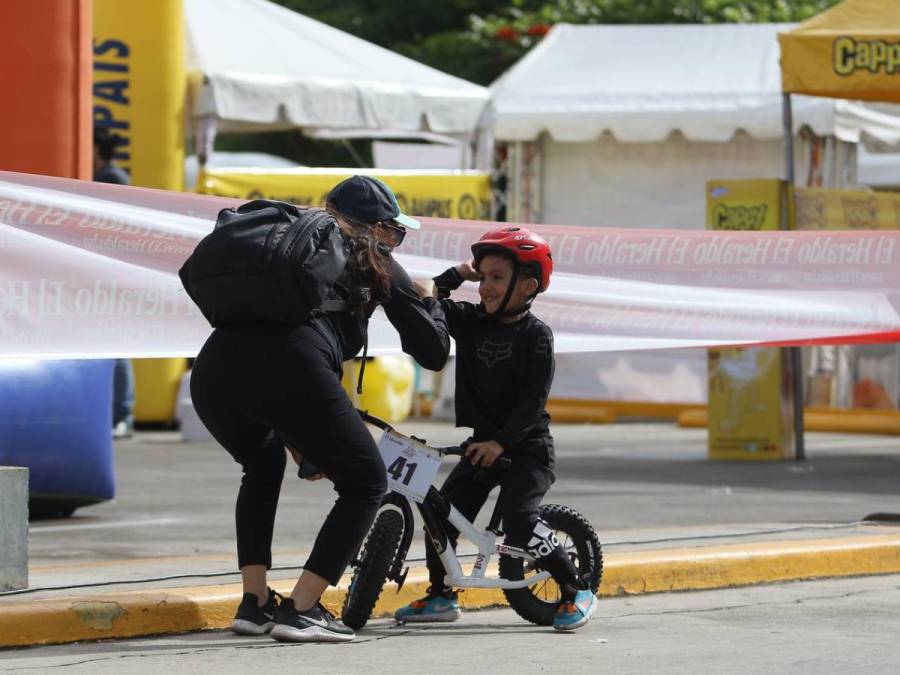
(524, 246)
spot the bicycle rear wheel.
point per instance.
(374, 564)
(537, 603)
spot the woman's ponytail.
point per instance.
(368, 262)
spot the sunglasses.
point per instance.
(396, 233)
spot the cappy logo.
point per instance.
(749, 217)
(872, 56)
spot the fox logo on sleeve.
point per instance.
(544, 345)
(492, 352)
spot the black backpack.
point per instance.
(266, 262)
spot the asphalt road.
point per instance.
(641, 485)
(839, 626)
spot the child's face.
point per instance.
(494, 275)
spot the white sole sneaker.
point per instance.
(244, 627)
(583, 620)
(285, 633)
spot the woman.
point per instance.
(258, 388)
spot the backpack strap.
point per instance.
(362, 366)
(334, 305)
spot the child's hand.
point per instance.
(484, 453)
(467, 271)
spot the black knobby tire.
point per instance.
(537, 603)
(374, 564)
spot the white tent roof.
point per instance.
(266, 65)
(878, 169)
(642, 82)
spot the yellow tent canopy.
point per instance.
(849, 51)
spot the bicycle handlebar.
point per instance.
(501, 463)
(374, 421)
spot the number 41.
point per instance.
(397, 466)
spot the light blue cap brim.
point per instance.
(406, 221)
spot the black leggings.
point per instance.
(523, 487)
(247, 384)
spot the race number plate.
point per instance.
(411, 467)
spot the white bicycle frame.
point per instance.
(486, 541)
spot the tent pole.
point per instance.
(794, 354)
(205, 139)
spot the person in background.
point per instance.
(107, 171)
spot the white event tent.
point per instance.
(621, 126)
(255, 65)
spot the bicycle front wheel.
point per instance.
(374, 564)
(537, 603)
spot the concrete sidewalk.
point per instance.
(669, 520)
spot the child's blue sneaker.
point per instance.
(575, 613)
(431, 608)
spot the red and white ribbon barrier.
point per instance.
(89, 270)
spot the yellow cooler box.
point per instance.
(156, 384)
(387, 386)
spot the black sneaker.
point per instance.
(251, 619)
(313, 625)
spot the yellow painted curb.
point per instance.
(180, 610)
(749, 563)
(608, 412)
(855, 421)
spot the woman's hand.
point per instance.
(467, 271)
(484, 453)
(298, 460)
(425, 288)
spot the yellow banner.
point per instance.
(762, 204)
(825, 209)
(749, 415)
(450, 194)
(748, 418)
(139, 86)
(850, 51)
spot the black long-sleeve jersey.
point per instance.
(421, 323)
(503, 374)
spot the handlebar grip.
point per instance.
(500, 464)
(374, 421)
(307, 469)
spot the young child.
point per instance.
(504, 367)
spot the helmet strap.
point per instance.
(502, 311)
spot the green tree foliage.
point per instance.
(479, 39)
